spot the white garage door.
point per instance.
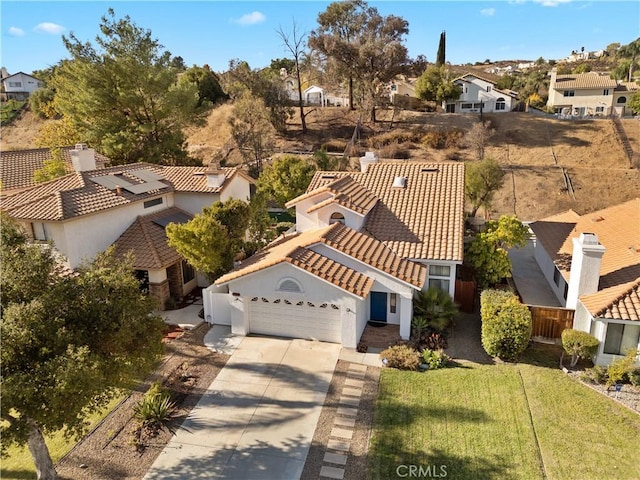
(285, 318)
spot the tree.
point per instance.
(287, 178)
(582, 68)
(634, 103)
(440, 57)
(363, 44)
(57, 133)
(487, 252)
(279, 63)
(251, 130)
(417, 65)
(294, 43)
(213, 238)
(436, 307)
(482, 180)
(578, 344)
(434, 85)
(68, 342)
(506, 324)
(478, 137)
(631, 53)
(52, 168)
(124, 96)
(207, 83)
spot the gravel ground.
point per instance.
(629, 396)
(107, 453)
(356, 467)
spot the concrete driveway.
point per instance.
(258, 417)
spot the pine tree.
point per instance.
(440, 58)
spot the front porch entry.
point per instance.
(378, 304)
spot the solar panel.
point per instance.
(145, 187)
(146, 175)
(111, 182)
(177, 217)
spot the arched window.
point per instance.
(501, 104)
(289, 285)
(622, 100)
(336, 217)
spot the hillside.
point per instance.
(527, 147)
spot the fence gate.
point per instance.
(549, 322)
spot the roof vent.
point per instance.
(328, 176)
(368, 159)
(429, 169)
(597, 219)
(400, 182)
(81, 146)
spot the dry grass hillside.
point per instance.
(532, 150)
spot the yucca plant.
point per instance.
(154, 411)
(436, 306)
(419, 325)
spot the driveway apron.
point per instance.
(257, 418)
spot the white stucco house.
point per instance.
(592, 263)
(20, 85)
(127, 206)
(365, 243)
(592, 94)
(480, 93)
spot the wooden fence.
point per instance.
(549, 322)
(465, 295)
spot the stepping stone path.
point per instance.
(335, 458)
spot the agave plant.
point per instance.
(436, 306)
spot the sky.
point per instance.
(213, 32)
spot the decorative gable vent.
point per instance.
(289, 285)
(399, 182)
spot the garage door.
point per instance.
(296, 319)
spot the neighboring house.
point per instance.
(290, 83)
(85, 212)
(480, 94)
(402, 92)
(365, 243)
(17, 167)
(581, 94)
(20, 85)
(592, 263)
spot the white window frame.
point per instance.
(569, 93)
(439, 280)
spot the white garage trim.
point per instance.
(295, 318)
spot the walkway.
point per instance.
(258, 417)
(529, 279)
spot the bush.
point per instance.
(634, 377)
(440, 139)
(401, 357)
(619, 370)
(155, 410)
(282, 227)
(436, 306)
(579, 344)
(336, 146)
(597, 374)
(394, 137)
(435, 358)
(506, 324)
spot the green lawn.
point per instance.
(18, 464)
(477, 422)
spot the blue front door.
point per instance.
(379, 306)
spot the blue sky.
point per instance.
(214, 32)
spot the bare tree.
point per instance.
(294, 42)
(478, 137)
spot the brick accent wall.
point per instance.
(160, 291)
(174, 274)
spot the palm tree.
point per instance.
(436, 306)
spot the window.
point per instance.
(488, 88)
(15, 84)
(466, 106)
(439, 276)
(188, 272)
(569, 93)
(620, 338)
(622, 100)
(39, 231)
(501, 104)
(289, 285)
(152, 203)
(336, 217)
(556, 277)
(393, 302)
(605, 92)
(477, 105)
(394, 87)
(599, 109)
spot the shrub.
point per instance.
(506, 324)
(419, 325)
(401, 357)
(597, 374)
(579, 344)
(436, 306)
(282, 227)
(170, 303)
(435, 358)
(436, 341)
(154, 410)
(334, 146)
(620, 368)
(634, 377)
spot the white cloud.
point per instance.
(250, 18)
(488, 12)
(48, 27)
(551, 3)
(16, 32)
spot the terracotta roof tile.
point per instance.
(147, 242)
(424, 220)
(76, 194)
(620, 303)
(346, 192)
(579, 81)
(299, 247)
(18, 166)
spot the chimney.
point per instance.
(83, 158)
(215, 176)
(585, 267)
(369, 158)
